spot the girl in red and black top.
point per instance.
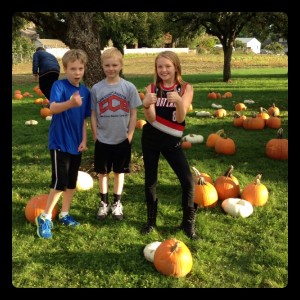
(165, 105)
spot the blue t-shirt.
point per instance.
(65, 131)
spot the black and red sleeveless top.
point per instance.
(166, 111)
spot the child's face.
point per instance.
(111, 67)
(165, 69)
(74, 72)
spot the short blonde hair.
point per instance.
(74, 54)
(112, 52)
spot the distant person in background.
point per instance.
(45, 69)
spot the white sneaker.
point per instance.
(117, 210)
(103, 211)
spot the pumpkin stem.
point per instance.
(229, 171)
(174, 248)
(219, 132)
(257, 179)
(280, 133)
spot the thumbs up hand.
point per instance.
(150, 98)
(173, 96)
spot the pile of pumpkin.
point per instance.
(226, 188)
(265, 117)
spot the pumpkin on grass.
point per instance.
(45, 112)
(150, 249)
(256, 192)
(211, 139)
(84, 181)
(186, 145)
(225, 145)
(205, 194)
(227, 185)
(199, 174)
(36, 205)
(277, 148)
(274, 110)
(237, 207)
(173, 258)
(238, 120)
(140, 123)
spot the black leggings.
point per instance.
(170, 148)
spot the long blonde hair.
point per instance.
(173, 57)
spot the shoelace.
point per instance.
(47, 225)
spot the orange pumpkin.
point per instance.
(220, 113)
(46, 102)
(254, 123)
(211, 139)
(263, 113)
(45, 112)
(140, 123)
(227, 185)
(142, 95)
(212, 95)
(277, 148)
(186, 145)
(240, 106)
(256, 192)
(198, 174)
(36, 205)
(274, 110)
(205, 194)
(38, 101)
(273, 122)
(225, 145)
(173, 258)
(18, 96)
(228, 94)
(238, 120)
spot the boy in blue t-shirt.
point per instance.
(70, 105)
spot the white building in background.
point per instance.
(55, 47)
(251, 43)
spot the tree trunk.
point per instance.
(81, 35)
(77, 31)
(227, 64)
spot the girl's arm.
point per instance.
(182, 103)
(149, 104)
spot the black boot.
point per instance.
(151, 217)
(188, 222)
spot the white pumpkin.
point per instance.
(193, 138)
(84, 181)
(31, 122)
(150, 249)
(249, 101)
(203, 113)
(216, 105)
(48, 118)
(237, 207)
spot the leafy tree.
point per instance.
(91, 32)
(224, 25)
(76, 30)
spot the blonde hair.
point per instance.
(112, 52)
(173, 57)
(74, 54)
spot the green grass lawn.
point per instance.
(232, 252)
